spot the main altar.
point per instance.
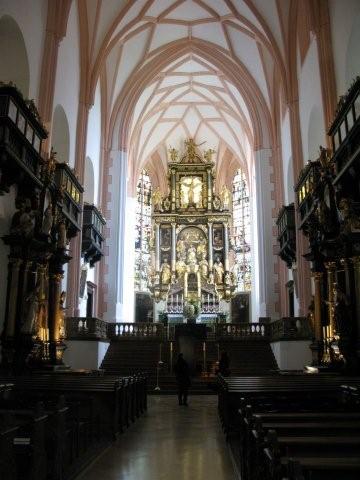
(190, 271)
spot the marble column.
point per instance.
(356, 264)
(226, 247)
(173, 247)
(173, 190)
(209, 190)
(318, 276)
(210, 249)
(54, 316)
(331, 278)
(157, 248)
(14, 267)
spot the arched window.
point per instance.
(142, 231)
(241, 234)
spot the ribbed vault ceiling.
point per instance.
(192, 95)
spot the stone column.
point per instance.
(209, 190)
(318, 276)
(173, 196)
(226, 247)
(356, 263)
(331, 277)
(54, 316)
(14, 267)
(157, 247)
(210, 249)
(173, 247)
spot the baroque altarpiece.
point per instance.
(191, 268)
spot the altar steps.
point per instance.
(247, 357)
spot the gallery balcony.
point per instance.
(286, 234)
(92, 238)
(21, 136)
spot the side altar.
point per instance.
(191, 271)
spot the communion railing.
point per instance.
(136, 330)
(86, 328)
(289, 328)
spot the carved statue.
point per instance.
(191, 255)
(190, 150)
(180, 267)
(350, 221)
(204, 268)
(180, 247)
(208, 154)
(62, 309)
(173, 154)
(157, 200)
(201, 248)
(61, 243)
(225, 197)
(23, 221)
(165, 272)
(218, 271)
(32, 311)
(47, 220)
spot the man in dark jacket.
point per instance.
(183, 379)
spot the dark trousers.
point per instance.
(182, 394)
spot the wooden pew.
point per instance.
(320, 457)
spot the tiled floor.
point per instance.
(169, 443)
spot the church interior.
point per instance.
(180, 227)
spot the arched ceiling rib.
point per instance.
(190, 95)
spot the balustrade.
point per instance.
(84, 328)
(136, 330)
(290, 328)
(241, 330)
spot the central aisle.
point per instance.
(169, 443)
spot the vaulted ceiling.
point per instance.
(171, 69)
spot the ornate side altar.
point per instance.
(190, 268)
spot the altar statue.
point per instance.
(180, 247)
(32, 311)
(225, 197)
(165, 272)
(191, 255)
(180, 266)
(201, 248)
(204, 268)
(218, 271)
(157, 200)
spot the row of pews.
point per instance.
(52, 426)
(293, 427)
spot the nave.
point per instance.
(169, 442)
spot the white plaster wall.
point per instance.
(265, 277)
(310, 104)
(85, 353)
(93, 144)
(345, 27)
(286, 152)
(67, 83)
(31, 18)
(129, 261)
(7, 210)
(292, 355)
(113, 259)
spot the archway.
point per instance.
(14, 65)
(61, 135)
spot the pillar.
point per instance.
(210, 249)
(331, 278)
(173, 247)
(13, 268)
(226, 247)
(157, 248)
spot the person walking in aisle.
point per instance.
(182, 378)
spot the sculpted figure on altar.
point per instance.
(218, 271)
(225, 197)
(180, 266)
(201, 248)
(204, 267)
(157, 200)
(191, 259)
(165, 272)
